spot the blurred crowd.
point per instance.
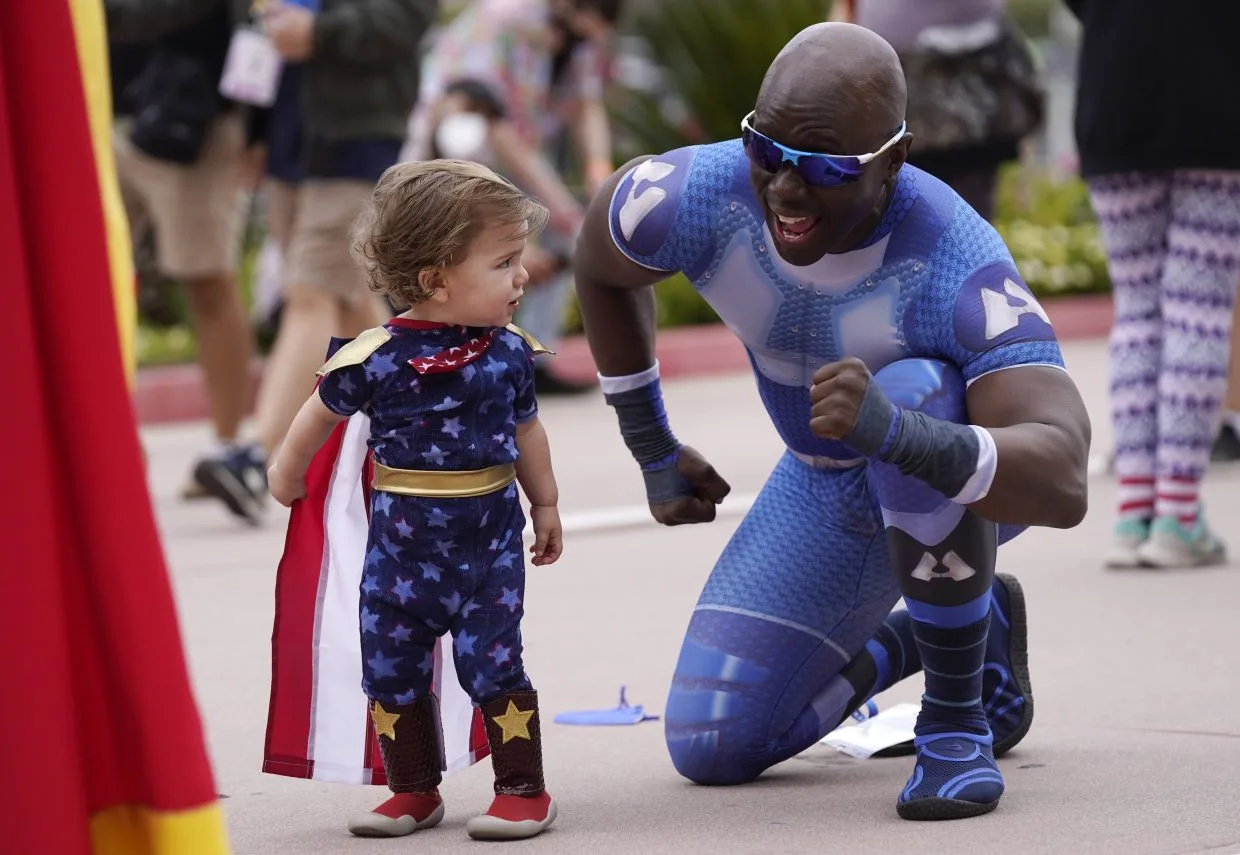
(331, 95)
(286, 112)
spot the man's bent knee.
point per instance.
(742, 685)
(931, 386)
(700, 754)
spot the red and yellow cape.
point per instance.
(101, 745)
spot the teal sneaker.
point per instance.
(1126, 540)
(1173, 544)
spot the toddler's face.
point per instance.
(484, 289)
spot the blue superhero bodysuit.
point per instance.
(436, 565)
(794, 628)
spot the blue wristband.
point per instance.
(638, 402)
(643, 425)
(943, 454)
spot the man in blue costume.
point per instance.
(921, 394)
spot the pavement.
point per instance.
(1135, 748)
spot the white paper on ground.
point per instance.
(890, 727)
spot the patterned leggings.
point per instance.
(1173, 246)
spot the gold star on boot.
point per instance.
(385, 722)
(514, 722)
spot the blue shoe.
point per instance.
(1007, 696)
(238, 478)
(955, 777)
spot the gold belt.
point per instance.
(442, 485)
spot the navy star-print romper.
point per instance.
(441, 565)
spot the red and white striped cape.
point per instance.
(318, 721)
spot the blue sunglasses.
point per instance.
(816, 168)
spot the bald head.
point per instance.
(844, 80)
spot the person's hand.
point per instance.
(548, 534)
(704, 488)
(835, 397)
(291, 30)
(284, 489)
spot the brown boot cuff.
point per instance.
(410, 741)
(515, 735)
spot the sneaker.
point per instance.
(238, 478)
(1173, 544)
(1126, 540)
(1226, 448)
(402, 814)
(1007, 695)
(955, 777)
(514, 818)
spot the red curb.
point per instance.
(175, 393)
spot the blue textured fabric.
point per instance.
(938, 289)
(930, 301)
(802, 586)
(443, 565)
(954, 766)
(456, 420)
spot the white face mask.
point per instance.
(462, 136)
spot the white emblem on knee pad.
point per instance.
(954, 568)
(636, 207)
(1001, 316)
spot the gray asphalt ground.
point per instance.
(1135, 747)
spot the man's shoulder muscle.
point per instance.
(661, 208)
(980, 311)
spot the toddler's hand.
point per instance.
(548, 535)
(284, 489)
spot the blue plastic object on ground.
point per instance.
(623, 714)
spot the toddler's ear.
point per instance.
(432, 282)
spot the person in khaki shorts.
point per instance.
(348, 83)
(190, 197)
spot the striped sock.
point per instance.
(1136, 497)
(1177, 497)
(894, 652)
(952, 644)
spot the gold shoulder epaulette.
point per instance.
(535, 344)
(356, 351)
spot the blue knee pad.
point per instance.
(937, 389)
(742, 698)
(931, 386)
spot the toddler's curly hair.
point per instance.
(424, 215)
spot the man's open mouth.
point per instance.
(793, 230)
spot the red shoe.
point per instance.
(403, 813)
(514, 818)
